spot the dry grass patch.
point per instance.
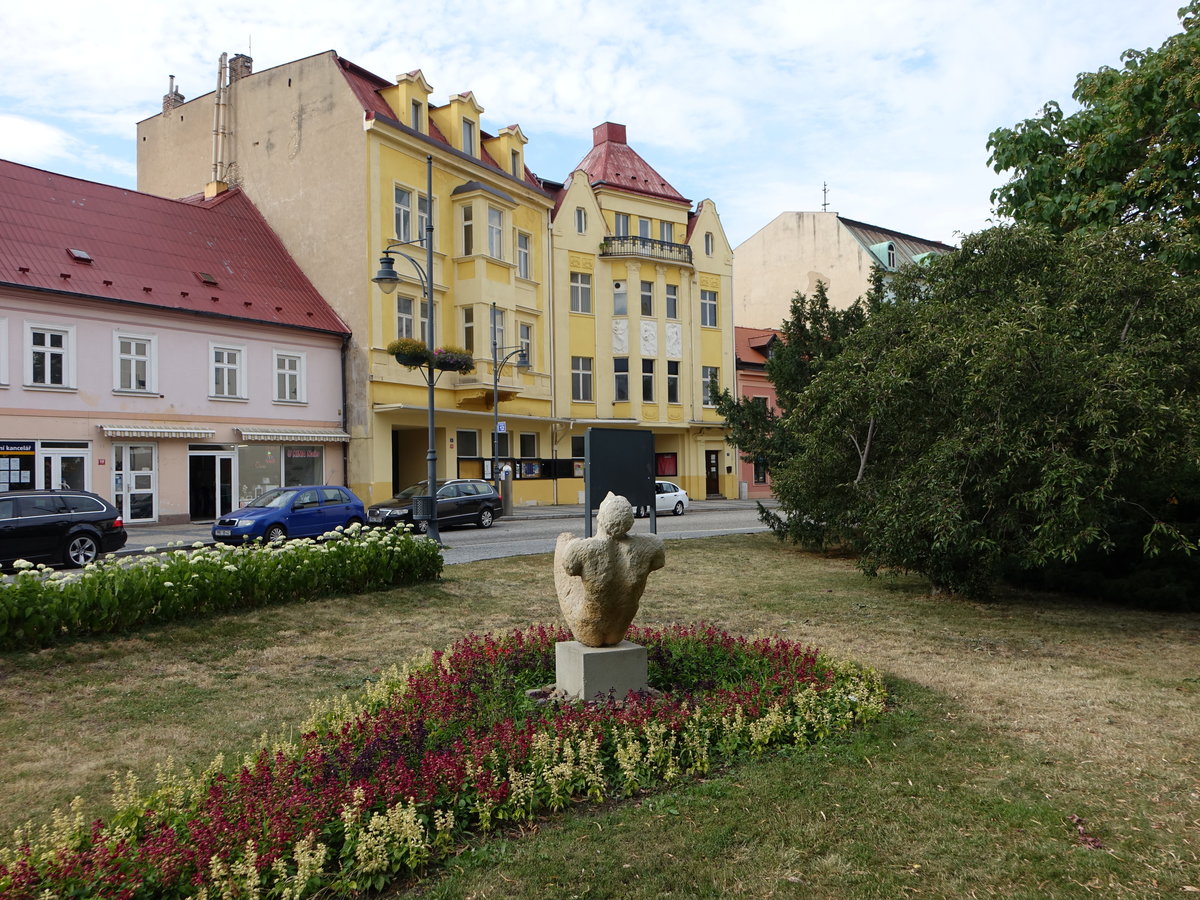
(1089, 710)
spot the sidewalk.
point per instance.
(159, 536)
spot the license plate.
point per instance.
(375, 518)
(222, 532)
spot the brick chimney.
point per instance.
(172, 98)
(609, 131)
(240, 66)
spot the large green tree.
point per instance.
(1021, 402)
(1131, 153)
(811, 335)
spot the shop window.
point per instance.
(666, 465)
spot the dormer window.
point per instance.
(516, 164)
(79, 255)
(891, 255)
(417, 111)
(468, 136)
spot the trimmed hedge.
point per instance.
(39, 606)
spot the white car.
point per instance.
(668, 497)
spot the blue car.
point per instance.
(303, 511)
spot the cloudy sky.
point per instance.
(754, 104)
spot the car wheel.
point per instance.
(486, 518)
(678, 508)
(275, 533)
(81, 549)
(354, 521)
(421, 527)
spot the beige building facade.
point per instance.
(795, 250)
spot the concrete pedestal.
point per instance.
(585, 673)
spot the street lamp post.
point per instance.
(424, 508)
(498, 364)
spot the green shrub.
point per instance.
(39, 606)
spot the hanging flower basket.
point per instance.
(453, 359)
(409, 352)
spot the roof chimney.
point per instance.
(172, 98)
(609, 131)
(240, 66)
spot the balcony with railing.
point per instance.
(647, 248)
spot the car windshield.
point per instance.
(276, 498)
(413, 490)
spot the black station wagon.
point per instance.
(460, 501)
(67, 527)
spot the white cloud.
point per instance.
(753, 104)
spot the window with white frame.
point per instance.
(468, 320)
(495, 233)
(581, 292)
(672, 301)
(468, 136)
(405, 324)
(523, 243)
(497, 327)
(620, 299)
(468, 442)
(525, 340)
(621, 379)
(133, 356)
(228, 375)
(403, 214)
(580, 220)
(708, 308)
(500, 444)
(666, 232)
(416, 114)
(422, 217)
(50, 360)
(647, 380)
(289, 377)
(621, 224)
(708, 243)
(581, 378)
(516, 164)
(672, 381)
(647, 295)
(709, 376)
(644, 228)
(528, 445)
(468, 230)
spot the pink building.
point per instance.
(753, 347)
(169, 355)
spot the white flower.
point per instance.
(22, 564)
(151, 549)
(168, 584)
(198, 545)
(230, 568)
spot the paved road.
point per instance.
(529, 530)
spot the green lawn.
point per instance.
(1010, 718)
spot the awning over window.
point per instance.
(157, 430)
(308, 435)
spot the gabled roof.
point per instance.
(907, 246)
(753, 345)
(366, 87)
(613, 163)
(215, 257)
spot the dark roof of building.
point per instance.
(613, 163)
(907, 246)
(211, 257)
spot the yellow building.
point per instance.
(643, 322)
(334, 157)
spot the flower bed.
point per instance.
(39, 605)
(382, 784)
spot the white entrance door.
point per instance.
(135, 481)
(65, 464)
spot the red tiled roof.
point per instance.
(151, 251)
(613, 163)
(750, 343)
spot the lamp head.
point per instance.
(523, 359)
(386, 277)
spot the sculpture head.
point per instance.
(615, 517)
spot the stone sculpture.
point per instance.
(600, 580)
